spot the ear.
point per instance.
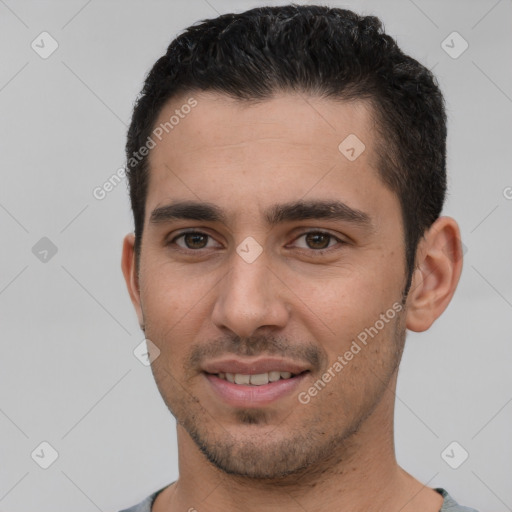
(436, 275)
(130, 275)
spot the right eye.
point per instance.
(192, 240)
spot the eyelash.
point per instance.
(316, 252)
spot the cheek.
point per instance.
(168, 290)
(171, 305)
(348, 309)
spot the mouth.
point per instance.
(245, 394)
(253, 382)
(258, 379)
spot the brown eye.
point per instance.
(318, 243)
(192, 240)
(195, 240)
(318, 240)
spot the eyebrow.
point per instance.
(275, 214)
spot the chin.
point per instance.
(257, 450)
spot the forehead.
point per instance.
(219, 122)
(224, 150)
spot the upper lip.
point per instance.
(252, 366)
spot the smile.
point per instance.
(259, 379)
(253, 390)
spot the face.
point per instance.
(268, 251)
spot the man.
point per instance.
(287, 173)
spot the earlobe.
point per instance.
(437, 273)
(130, 274)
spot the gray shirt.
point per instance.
(449, 504)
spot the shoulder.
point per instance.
(145, 504)
(450, 505)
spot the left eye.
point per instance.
(318, 240)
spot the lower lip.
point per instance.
(240, 395)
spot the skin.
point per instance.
(337, 451)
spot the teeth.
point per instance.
(242, 379)
(273, 376)
(255, 380)
(258, 380)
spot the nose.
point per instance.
(250, 296)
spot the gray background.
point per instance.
(68, 375)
